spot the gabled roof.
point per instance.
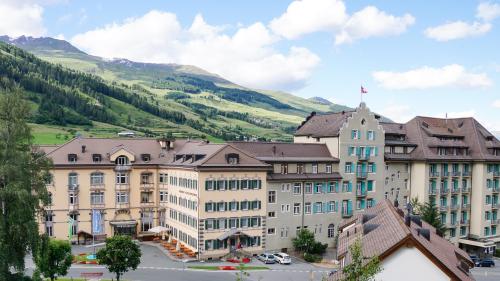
(382, 230)
(323, 125)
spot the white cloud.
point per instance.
(371, 22)
(496, 103)
(21, 18)
(488, 11)
(307, 16)
(453, 75)
(397, 112)
(457, 30)
(247, 57)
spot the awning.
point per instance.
(482, 244)
(127, 223)
(232, 232)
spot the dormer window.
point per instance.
(72, 158)
(232, 158)
(122, 160)
(96, 158)
(146, 157)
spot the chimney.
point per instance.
(407, 220)
(83, 148)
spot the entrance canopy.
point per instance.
(124, 223)
(481, 244)
(231, 233)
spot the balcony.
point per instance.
(432, 191)
(495, 205)
(346, 213)
(360, 192)
(456, 173)
(73, 187)
(455, 190)
(444, 191)
(146, 186)
(496, 174)
(465, 190)
(454, 207)
(97, 205)
(361, 175)
(123, 168)
(97, 186)
(124, 186)
(464, 222)
(433, 174)
(147, 204)
(445, 174)
(465, 206)
(443, 208)
(466, 174)
(73, 207)
(363, 157)
(122, 205)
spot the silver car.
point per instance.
(283, 258)
(266, 258)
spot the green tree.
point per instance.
(304, 241)
(416, 205)
(360, 268)
(430, 214)
(23, 175)
(54, 258)
(119, 255)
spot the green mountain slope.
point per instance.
(76, 92)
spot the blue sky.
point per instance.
(415, 58)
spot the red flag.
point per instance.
(363, 90)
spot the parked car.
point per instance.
(283, 258)
(474, 259)
(488, 262)
(266, 258)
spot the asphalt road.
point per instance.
(155, 266)
(487, 273)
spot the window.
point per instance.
(96, 158)
(354, 134)
(96, 198)
(96, 178)
(73, 199)
(271, 214)
(146, 157)
(285, 187)
(146, 178)
(121, 178)
(121, 197)
(318, 207)
(329, 168)
(244, 205)
(348, 167)
(300, 168)
(48, 230)
(284, 168)
(163, 178)
(370, 135)
(318, 187)
(296, 208)
(146, 197)
(314, 168)
(297, 188)
(122, 160)
(284, 232)
(307, 208)
(233, 185)
(271, 231)
(233, 222)
(73, 180)
(271, 198)
(308, 188)
(331, 230)
(221, 207)
(50, 198)
(163, 196)
(331, 207)
(72, 158)
(285, 208)
(74, 226)
(146, 220)
(233, 206)
(351, 151)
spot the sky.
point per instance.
(429, 58)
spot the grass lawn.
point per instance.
(237, 267)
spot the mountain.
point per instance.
(320, 100)
(100, 97)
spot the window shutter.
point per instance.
(349, 188)
(358, 150)
(374, 165)
(206, 207)
(349, 150)
(352, 134)
(336, 186)
(260, 206)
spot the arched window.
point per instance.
(96, 178)
(331, 230)
(122, 160)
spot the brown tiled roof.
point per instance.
(388, 231)
(305, 177)
(281, 151)
(393, 128)
(323, 125)
(468, 132)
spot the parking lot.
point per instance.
(487, 273)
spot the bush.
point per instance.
(312, 257)
(318, 248)
(497, 253)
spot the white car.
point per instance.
(283, 258)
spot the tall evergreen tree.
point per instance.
(430, 214)
(23, 175)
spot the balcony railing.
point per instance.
(465, 190)
(97, 204)
(434, 174)
(97, 186)
(443, 208)
(147, 203)
(466, 174)
(363, 157)
(456, 173)
(360, 192)
(124, 205)
(466, 206)
(124, 186)
(73, 207)
(361, 175)
(121, 168)
(146, 185)
(432, 191)
(73, 187)
(444, 190)
(445, 173)
(464, 222)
